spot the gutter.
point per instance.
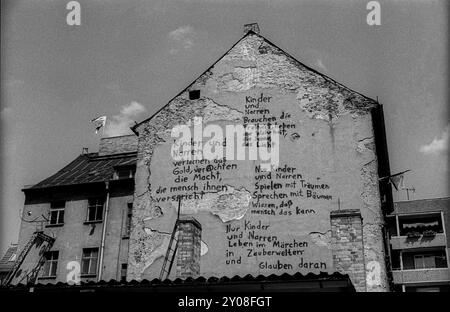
(105, 221)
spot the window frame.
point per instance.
(59, 210)
(124, 172)
(90, 258)
(13, 258)
(53, 263)
(423, 261)
(96, 207)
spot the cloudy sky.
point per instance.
(128, 58)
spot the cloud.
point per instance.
(439, 145)
(320, 65)
(120, 124)
(182, 38)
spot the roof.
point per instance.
(88, 168)
(285, 282)
(5, 263)
(422, 205)
(251, 32)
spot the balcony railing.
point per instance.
(422, 241)
(421, 275)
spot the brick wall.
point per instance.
(347, 245)
(189, 245)
(116, 145)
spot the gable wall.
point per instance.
(327, 147)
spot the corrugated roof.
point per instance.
(5, 263)
(296, 281)
(88, 168)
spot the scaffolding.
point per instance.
(42, 242)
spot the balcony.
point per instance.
(422, 241)
(421, 275)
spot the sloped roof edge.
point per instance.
(105, 168)
(251, 32)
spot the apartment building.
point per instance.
(419, 245)
(83, 212)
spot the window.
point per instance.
(95, 209)
(89, 261)
(424, 261)
(128, 220)
(123, 272)
(12, 258)
(124, 173)
(194, 94)
(50, 264)
(57, 213)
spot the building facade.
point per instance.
(320, 209)
(311, 201)
(7, 262)
(419, 240)
(86, 208)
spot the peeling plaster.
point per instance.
(268, 67)
(365, 144)
(230, 204)
(321, 239)
(153, 251)
(252, 63)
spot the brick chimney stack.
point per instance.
(348, 246)
(253, 26)
(189, 246)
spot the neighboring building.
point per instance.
(322, 210)
(419, 239)
(318, 218)
(88, 208)
(7, 262)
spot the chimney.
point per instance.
(85, 151)
(189, 246)
(348, 246)
(253, 27)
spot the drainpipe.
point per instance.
(105, 221)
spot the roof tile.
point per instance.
(88, 168)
